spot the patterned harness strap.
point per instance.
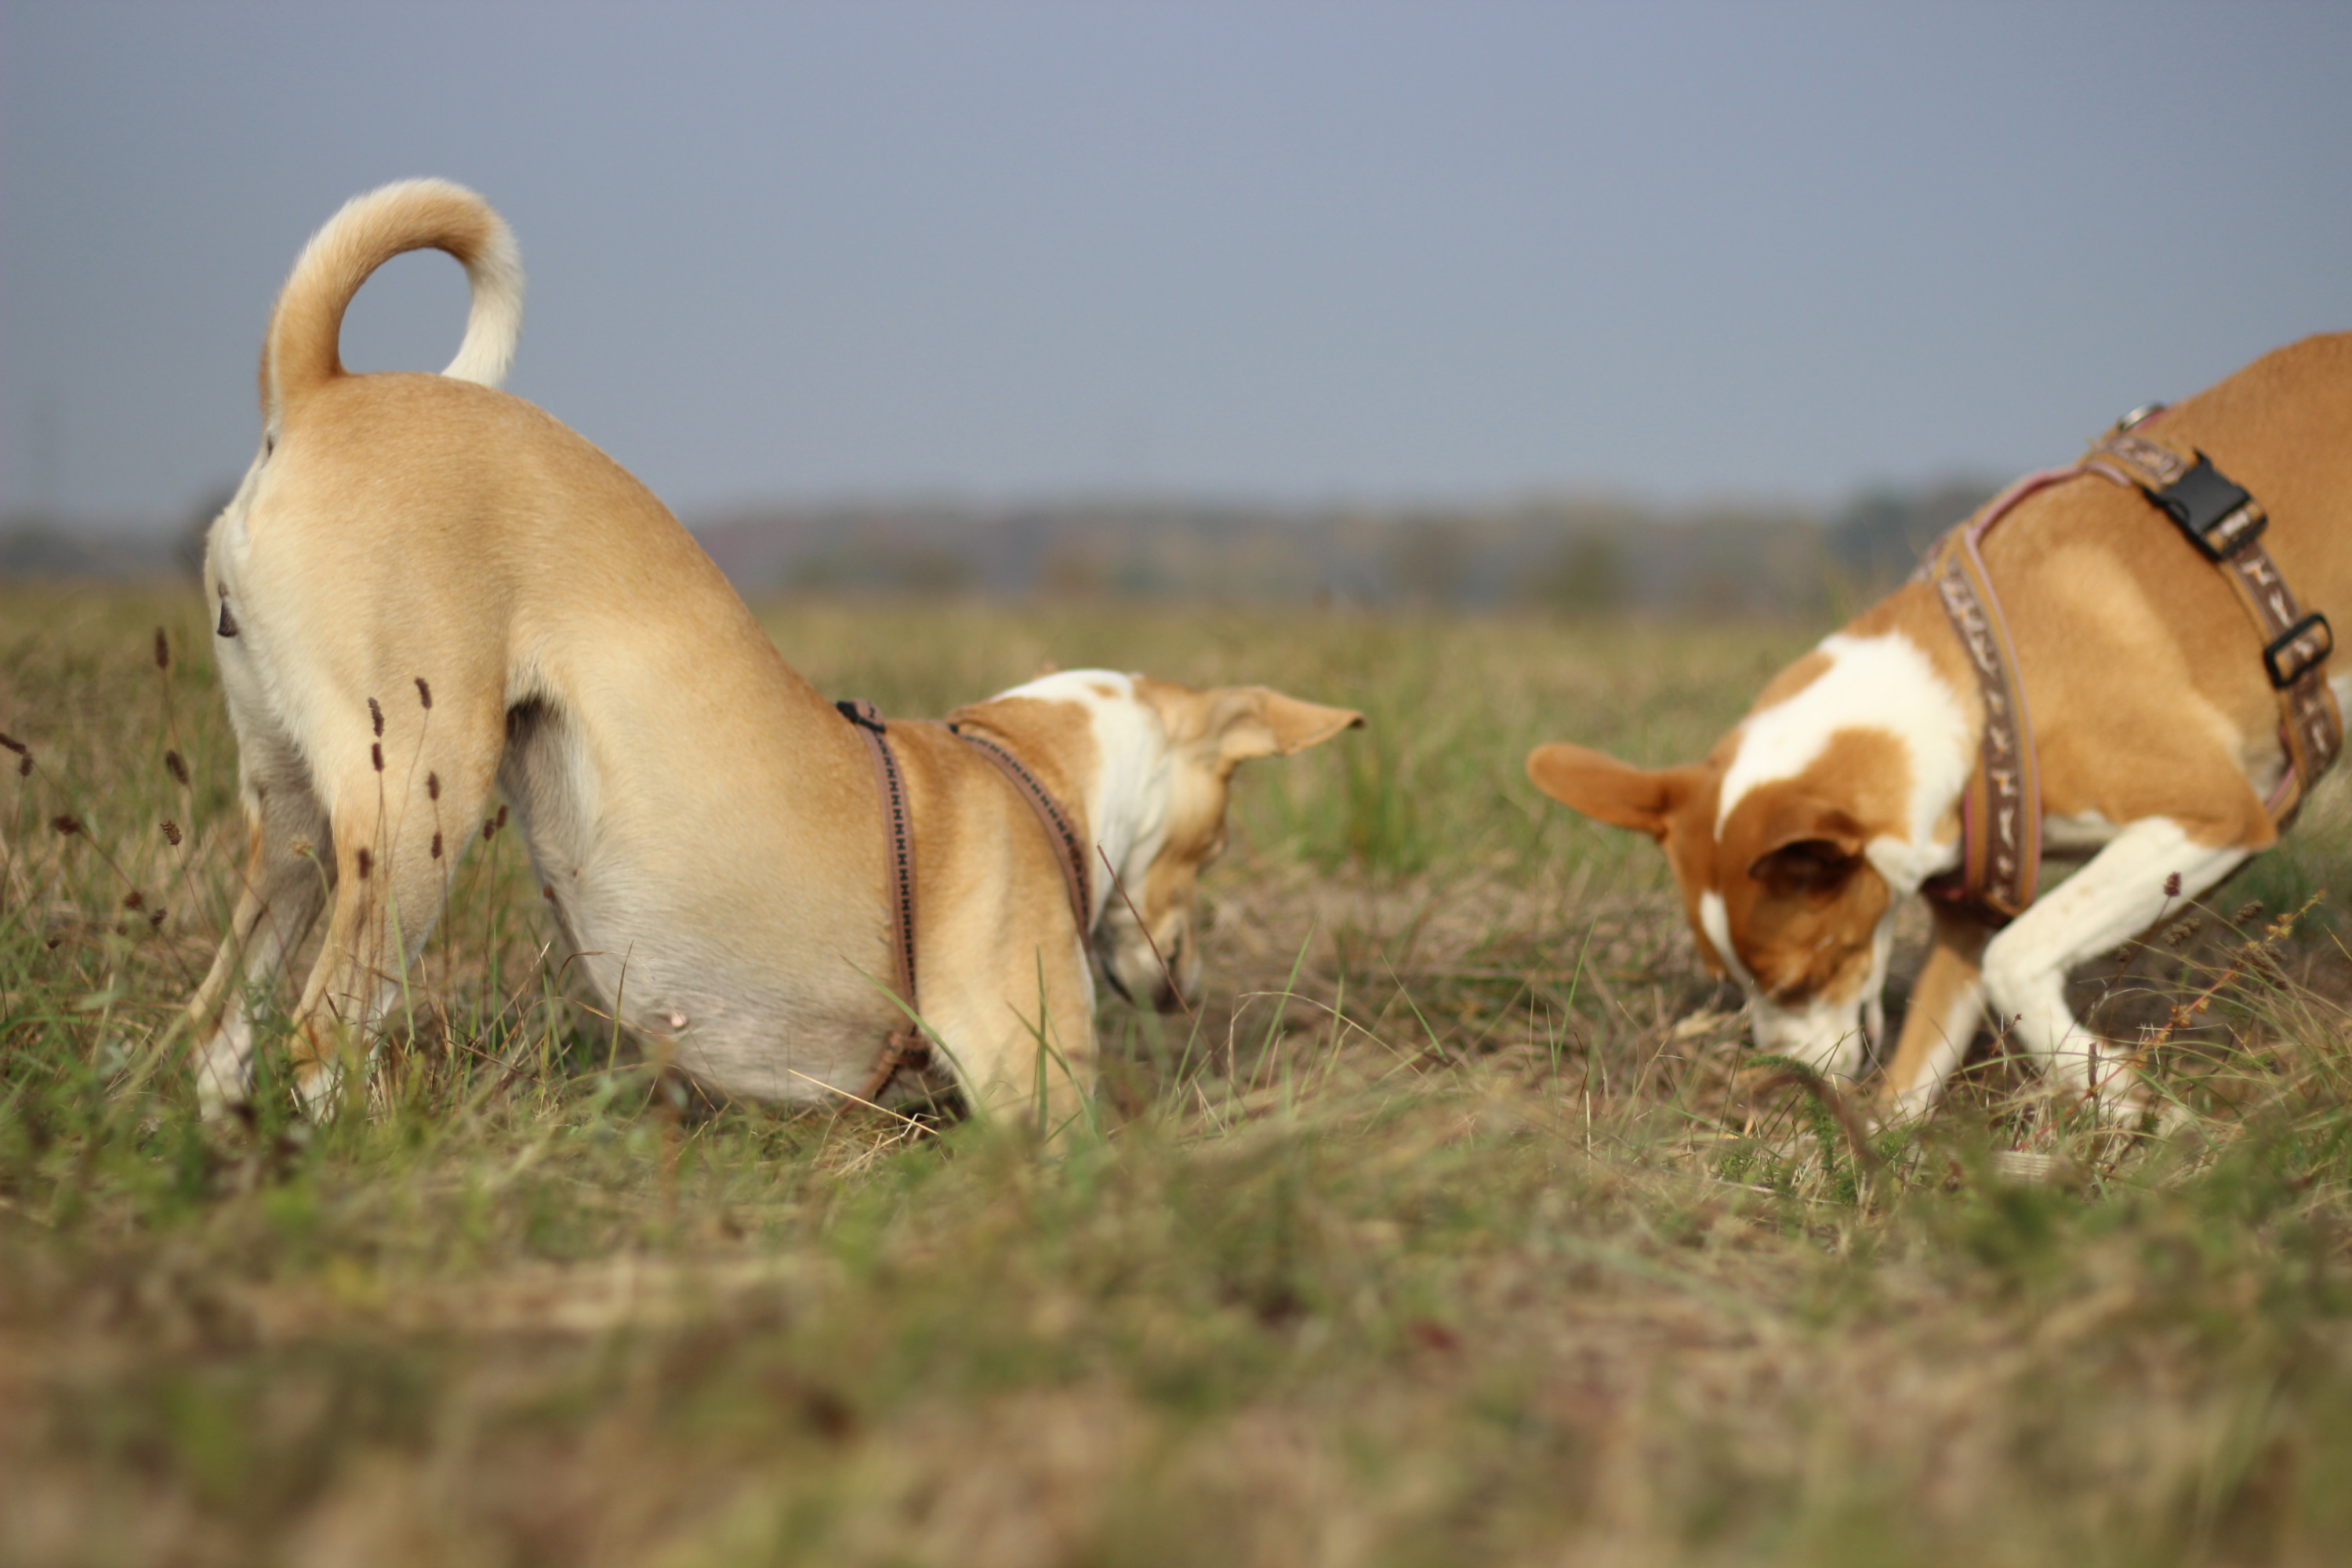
(2000, 812)
(2226, 526)
(1068, 843)
(906, 1050)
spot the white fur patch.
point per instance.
(1884, 682)
(1824, 1035)
(1127, 800)
(1716, 921)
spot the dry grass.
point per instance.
(1455, 1228)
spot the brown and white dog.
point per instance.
(2158, 740)
(427, 590)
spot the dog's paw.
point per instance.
(223, 1083)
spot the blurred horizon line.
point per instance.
(1664, 508)
(1573, 552)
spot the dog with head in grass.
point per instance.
(2122, 663)
(427, 594)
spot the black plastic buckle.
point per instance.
(863, 714)
(2281, 678)
(2218, 517)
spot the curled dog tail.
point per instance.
(302, 352)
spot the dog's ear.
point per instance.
(1607, 790)
(1244, 721)
(1811, 847)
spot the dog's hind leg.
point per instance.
(287, 871)
(393, 871)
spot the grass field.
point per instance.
(1454, 1228)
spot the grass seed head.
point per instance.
(432, 786)
(436, 846)
(134, 900)
(163, 650)
(66, 823)
(177, 766)
(376, 717)
(424, 694)
(364, 861)
(375, 754)
(171, 832)
(10, 743)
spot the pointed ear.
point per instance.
(1246, 721)
(1607, 790)
(1810, 847)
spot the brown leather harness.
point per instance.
(2000, 811)
(907, 1050)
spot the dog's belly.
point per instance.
(2082, 834)
(699, 922)
(740, 1027)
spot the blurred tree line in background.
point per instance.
(1573, 556)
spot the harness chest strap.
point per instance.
(2000, 811)
(906, 1049)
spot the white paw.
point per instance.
(224, 1079)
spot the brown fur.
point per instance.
(2142, 677)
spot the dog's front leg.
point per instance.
(1027, 1059)
(1946, 1006)
(2152, 867)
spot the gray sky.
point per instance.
(1271, 251)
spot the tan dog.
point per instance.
(427, 590)
(2157, 728)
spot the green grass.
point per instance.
(1454, 1228)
